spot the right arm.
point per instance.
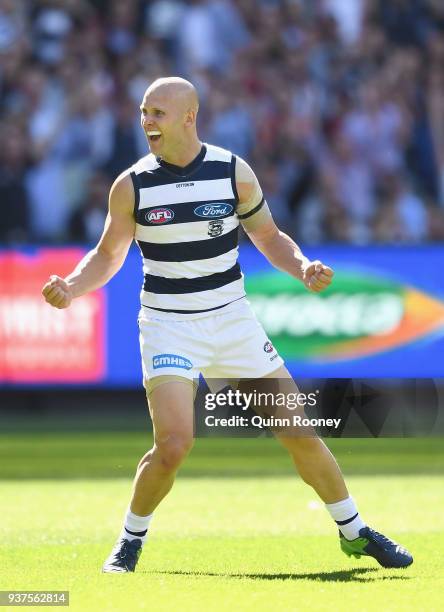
(105, 260)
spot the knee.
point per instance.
(172, 451)
(146, 459)
(303, 448)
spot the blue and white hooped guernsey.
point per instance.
(187, 231)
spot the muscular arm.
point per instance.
(280, 250)
(101, 263)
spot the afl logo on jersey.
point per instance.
(213, 211)
(159, 216)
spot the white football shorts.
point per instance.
(225, 344)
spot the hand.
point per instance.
(57, 292)
(317, 276)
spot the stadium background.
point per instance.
(338, 106)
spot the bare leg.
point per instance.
(171, 409)
(313, 460)
(317, 467)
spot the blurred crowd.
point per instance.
(338, 105)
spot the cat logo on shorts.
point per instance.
(268, 347)
(215, 228)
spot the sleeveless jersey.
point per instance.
(187, 231)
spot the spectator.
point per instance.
(402, 216)
(210, 34)
(13, 24)
(349, 17)
(44, 120)
(404, 21)
(14, 220)
(375, 129)
(122, 27)
(232, 126)
(86, 222)
(330, 100)
(435, 113)
(349, 181)
(124, 147)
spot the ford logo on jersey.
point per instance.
(167, 360)
(158, 216)
(212, 211)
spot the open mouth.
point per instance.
(153, 136)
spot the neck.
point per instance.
(183, 155)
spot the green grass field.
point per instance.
(238, 531)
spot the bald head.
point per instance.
(168, 118)
(178, 91)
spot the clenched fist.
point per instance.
(57, 292)
(317, 276)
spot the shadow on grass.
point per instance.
(363, 574)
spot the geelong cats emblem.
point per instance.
(215, 228)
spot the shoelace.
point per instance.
(381, 539)
(386, 542)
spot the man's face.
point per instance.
(162, 121)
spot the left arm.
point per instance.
(280, 250)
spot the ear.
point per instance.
(190, 117)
